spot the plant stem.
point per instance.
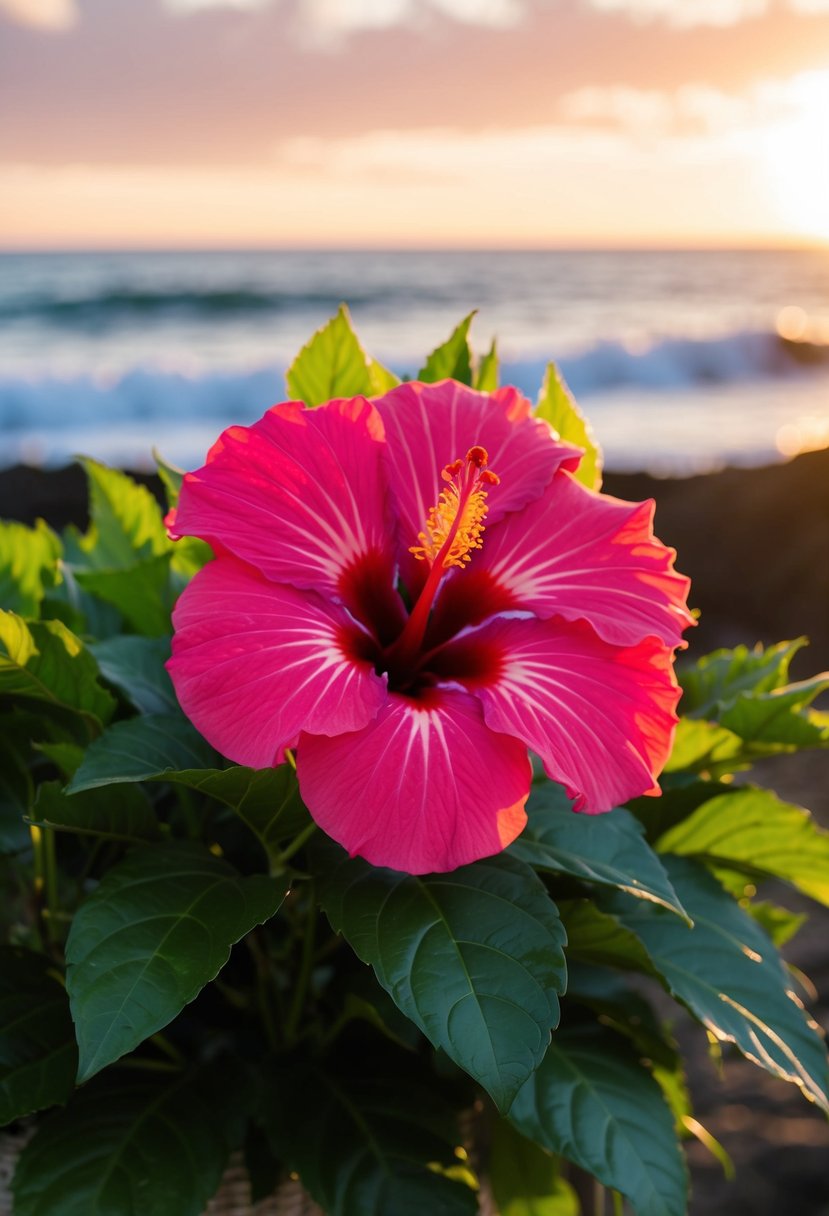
(263, 986)
(163, 1044)
(618, 1203)
(296, 844)
(305, 968)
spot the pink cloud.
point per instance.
(136, 83)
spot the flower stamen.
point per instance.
(456, 522)
(453, 529)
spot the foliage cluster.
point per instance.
(189, 967)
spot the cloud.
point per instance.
(134, 82)
(684, 13)
(53, 15)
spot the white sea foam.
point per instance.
(647, 406)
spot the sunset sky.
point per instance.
(413, 122)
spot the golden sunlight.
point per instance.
(796, 149)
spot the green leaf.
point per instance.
(717, 680)
(42, 663)
(627, 1012)
(28, 565)
(598, 938)
(729, 975)
(366, 1146)
(123, 814)
(681, 795)
(752, 829)
(267, 800)
(142, 748)
(473, 957)
(557, 406)
(606, 849)
(38, 1058)
(780, 924)
(157, 929)
(79, 610)
(136, 668)
(486, 373)
(143, 594)
(452, 360)
(334, 364)
(524, 1177)
(126, 526)
(171, 478)
(738, 707)
(592, 1102)
(16, 792)
(133, 1146)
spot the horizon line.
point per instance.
(778, 245)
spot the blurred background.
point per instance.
(636, 188)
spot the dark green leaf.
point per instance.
(38, 1057)
(141, 748)
(43, 664)
(79, 610)
(66, 757)
(143, 594)
(592, 1102)
(132, 1146)
(136, 667)
(366, 1147)
(157, 929)
(752, 829)
(122, 814)
(473, 957)
(606, 849)
(557, 406)
(16, 794)
(524, 1177)
(267, 800)
(452, 360)
(626, 1011)
(729, 975)
(334, 364)
(486, 374)
(28, 565)
(597, 937)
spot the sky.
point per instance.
(413, 123)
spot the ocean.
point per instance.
(683, 361)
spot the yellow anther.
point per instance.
(455, 524)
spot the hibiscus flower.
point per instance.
(411, 592)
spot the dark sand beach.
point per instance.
(756, 545)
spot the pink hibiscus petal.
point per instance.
(430, 425)
(582, 555)
(300, 494)
(600, 717)
(255, 662)
(425, 787)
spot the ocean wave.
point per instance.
(118, 306)
(679, 363)
(145, 395)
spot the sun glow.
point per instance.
(797, 153)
